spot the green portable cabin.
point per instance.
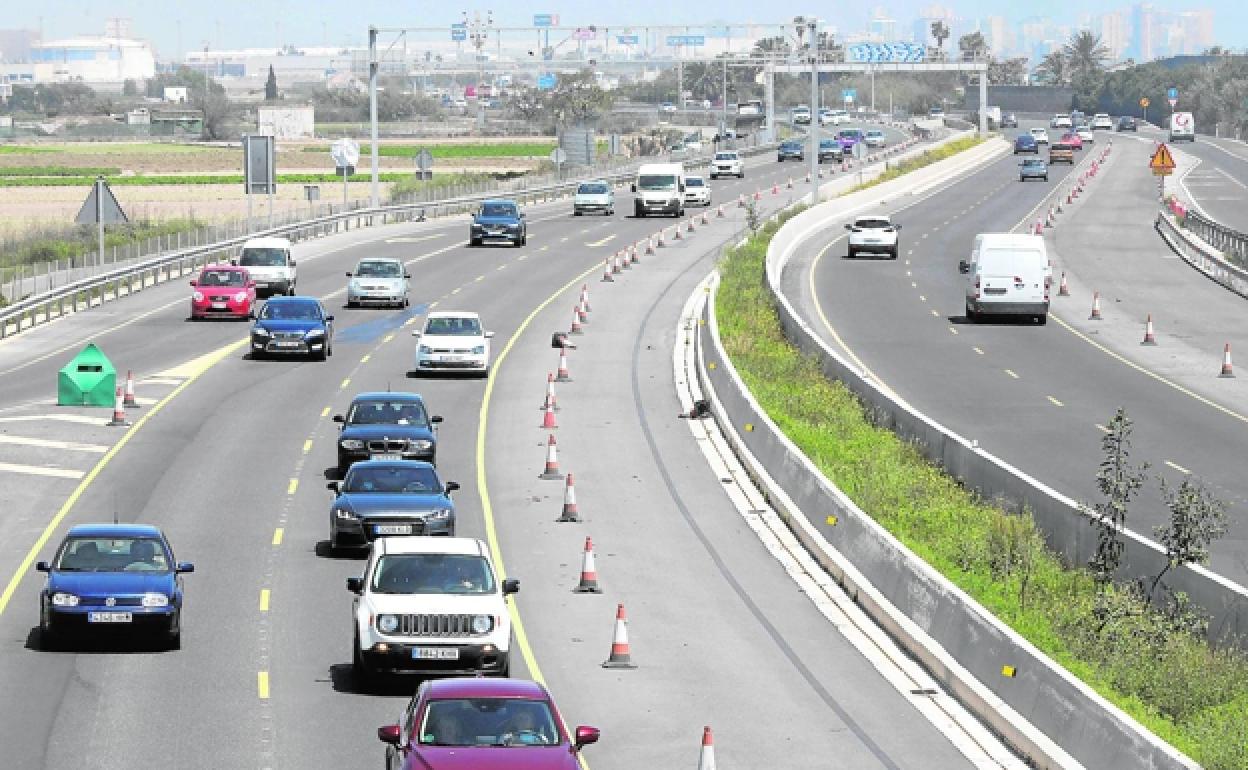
(89, 379)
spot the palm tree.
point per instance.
(1085, 54)
(1054, 68)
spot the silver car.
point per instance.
(378, 281)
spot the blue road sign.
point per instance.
(1173, 93)
(544, 20)
(546, 81)
(893, 53)
(459, 32)
(628, 39)
(849, 94)
(679, 40)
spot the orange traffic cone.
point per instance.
(790, 184)
(622, 259)
(705, 221)
(562, 374)
(658, 243)
(758, 195)
(1096, 307)
(1227, 371)
(550, 402)
(606, 271)
(548, 419)
(706, 760)
(582, 312)
(632, 256)
(690, 227)
(552, 461)
(1062, 289)
(620, 657)
(677, 236)
(585, 297)
(129, 400)
(775, 188)
(741, 202)
(569, 502)
(719, 213)
(119, 409)
(1149, 339)
(589, 575)
(576, 321)
(649, 247)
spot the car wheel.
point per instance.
(971, 315)
(360, 672)
(505, 670)
(321, 355)
(1046, 177)
(576, 213)
(173, 638)
(852, 253)
(1022, 178)
(472, 242)
(893, 253)
(1042, 320)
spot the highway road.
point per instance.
(230, 456)
(1038, 396)
(1218, 181)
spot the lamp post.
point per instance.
(478, 34)
(810, 25)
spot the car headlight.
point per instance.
(155, 600)
(387, 624)
(425, 350)
(315, 333)
(479, 350)
(240, 297)
(476, 226)
(343, 513)
(352, 444)
(482, 624)
(198, 296)
(421, 444)
(61, 599)
(260, 331)
(439, 514)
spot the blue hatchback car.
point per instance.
(293, 326)
(387, 426)
(1033, 168)
(112, 576)
(382, 498)
(1026, 143)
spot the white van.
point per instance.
(1182, 127)
(270, 264)
(660, 189)
(1007, 274)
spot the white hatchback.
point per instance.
(697, 191)
(453, 341)
(1040, 135)
(378, 281)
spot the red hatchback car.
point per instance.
(482, 724)
(223, 291)
(1073, 140)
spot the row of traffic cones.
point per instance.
(1150, 336)
(124, 399)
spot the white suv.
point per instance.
(874, 233)
(430, 605)
(727, 163)
(1102, 122)
(453, 340)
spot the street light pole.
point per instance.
(374, 198)
(812, 26)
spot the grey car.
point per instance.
(1033, 168)
(378, 281)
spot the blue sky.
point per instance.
(173, 24)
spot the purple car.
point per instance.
(482, 724)
(848, 137)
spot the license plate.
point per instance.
(219, 306)
(393, 529)
(287, 344)
(436, 653)
(262, 284)
(451, 358)
(495, 233)
(386, 456)
(109, 617)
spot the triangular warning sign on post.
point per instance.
(101, 207)
(1162, 162)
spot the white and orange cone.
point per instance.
(719, 212)
(129, 401)
(576, 321)
(706, 760)
(705, 220)
(1149, 338)
(690, 228)
(562, 374)
(649, 247)
(758, 195)
(548, 418)
(589, 575)
(741, 202)
(676, 234)
(1227, 370)
(658, 241)
(606, 272)
(621, 656)
(775, 189)
(569, 512)
(632, 256)
(1096, 307)
(582, 312)
(1063, 290)
(585, 297)
(119, 408)
(550, 402)
(551, 470)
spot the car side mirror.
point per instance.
(407, 275)
(42, 566)
(234, 262)
(389, 734)
(586, 735)
(963, 266)
(292, 263)
(896, 226)
(348, 275)
(633, 187)
(184, 567)
(329, 318)
(522, 215)
(339, 418)
(849, 226)
(355, 585)
(451, 486)
(251, 315)
(194, 283)
(250, 285)
(489, 334)
(511, 586)
(416, 333)
(333, 485)
(437, 418)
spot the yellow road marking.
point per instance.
(345, 383)
(292, 486)
(367, 356)
(596, 244)
(1055, 402)
(264, 600)
(24, 568)
(480, 278)
(1102, 428)
(501, 267)
(1011, 373)
(277, 535)
(978, 350)
(390, 336)
(1179, 468)
(325, 412)
(432, 305)
(262, 684)
(307, 446)
(922, 298)
(953, 330)
(457, 290)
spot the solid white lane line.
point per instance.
(80, 419)
(35, 470)
(72, 446)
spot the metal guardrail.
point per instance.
(95, 290)
(1232, 243)
(1200, 254)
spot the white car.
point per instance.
(1102, 122)
(727, 163)
(1061, 121)
(270, 264)
(693, 142)
(833, 117)
(593, 196)
(378, 281)
(1085, 134)
(873, 233)
(875, 138)
(1040, 135)
(697, 191)
(801, 115)
(430, 605)
(454, 341)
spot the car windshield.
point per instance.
(725, 156)
(498, 210)
(432, 573)
(387, 413)
(453, 327)
(391, 479)
(290, 311)
(694, 181)
(511, 722)
(875, 133)
(827, 143)
(872, 223)
(1033, 162)
(263, 257)
(378, 269)
(221, 278)
(125, 554)
(592, 189)
(656, 182)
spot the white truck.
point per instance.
(1007, 274)
(659, 189)
(1182, 127)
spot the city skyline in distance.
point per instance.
(174, 28)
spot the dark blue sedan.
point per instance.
(293, 326)
(498, 220)
(112, 576)
(386, 426)
(1026, 143)
(790, 150)
(382, 498)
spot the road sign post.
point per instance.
(424, 164)
(1162, 165)
(558, 156)
(1144, 105)
(101, 208)
(346, 154)
(259, 170)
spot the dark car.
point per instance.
(1010, 120)
(485, 724)
(112, 577)
(1127, 123)
(848, 137)
(790, 150)
(1033, 168)
(386, 426)
(293, 326)
(830, 149)
(1026, 143)
(383, 498)
(498, 220)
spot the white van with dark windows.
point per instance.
(1007, 274)
(270, 264)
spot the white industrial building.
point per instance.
(89, 60)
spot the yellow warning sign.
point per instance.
(1162, 162)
